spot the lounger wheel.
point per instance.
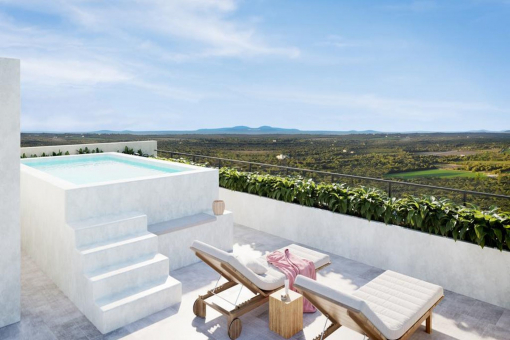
(235, 328)
(199, 308)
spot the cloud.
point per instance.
(134, 61)
(174, 93)
(375, 105)
(207, 23)
(87, 43)
(56, 72)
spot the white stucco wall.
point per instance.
(44, 234)
(460, 267)
(147, 147)
(52, 208)
(9, 191)
(163, 198)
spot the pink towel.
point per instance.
(292, 266)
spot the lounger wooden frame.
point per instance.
(342, 315)
(233, 278)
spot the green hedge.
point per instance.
(429, 214)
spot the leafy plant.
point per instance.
(80, 151)
(428, 214)
(83, 151)
(184, 161)
(128, 151)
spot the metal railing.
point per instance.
(390, 183)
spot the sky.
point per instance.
(89, 65)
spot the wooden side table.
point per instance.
(286, 317)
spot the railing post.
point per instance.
(389, 189)
(464, 198)
(193, 158)
(249, 168)
(171, 155)
(286, 171)
(332, 179)
(219, 163)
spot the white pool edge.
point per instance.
(183, 169)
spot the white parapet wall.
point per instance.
(9, 191)
(460, 267)
(148, 147)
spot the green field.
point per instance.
(441, 173)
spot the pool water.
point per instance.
(89, 169)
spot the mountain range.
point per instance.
(269, 130)
(240, 130)
(262, 130)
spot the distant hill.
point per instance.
(240, 130)
(262, 130)
(248, 130)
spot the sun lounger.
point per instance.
(392, 306)
(231, 268)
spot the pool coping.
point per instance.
(66, 185)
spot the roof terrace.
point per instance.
(127, 235)
(48, 314)
(108, 257)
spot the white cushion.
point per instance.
(270, 280)
(253, 263)
(398, 301)
(318, 259)
(392, 302)
(273, 278)
(213, 251)
(343, 299)
(318, 288)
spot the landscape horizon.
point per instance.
(264, 129)
(473, 161)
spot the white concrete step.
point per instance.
(121, 309)
(177, 224)
(117, 251)
(118, 278)
(94, 230)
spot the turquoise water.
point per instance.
(97, 168)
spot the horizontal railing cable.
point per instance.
(334, 174)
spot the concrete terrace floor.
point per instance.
(48, 314)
